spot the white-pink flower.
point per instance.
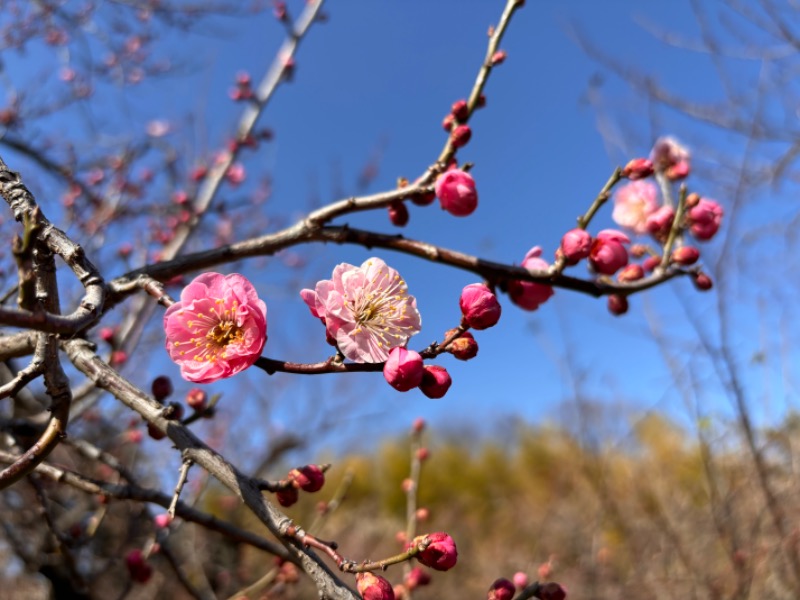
(217, 329)
(367, 310)
(633, 203)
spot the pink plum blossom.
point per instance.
(217, 329)
(608, 254)
(705, 218)
(456, 192)
(527, 294)
(403, 369)
(367, 310)
(633, 203)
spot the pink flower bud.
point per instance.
(551, 591)
(162, 521)
(196, 399)
(498, 57)
(134, 436)
(685, 255)
(463, 347)
(650, 263)
(704, 219)
(527, 294)
(398, 213)
(670, 157)
(287, 497)
(520, 579)
(161, 388)
(638, 168)
(235, 174)
(407, 485)
(118, 357)
(373, 587)
(423, 454)
(418, 425)
(417, 577)
(422, 514)
(138, 568)
(309, 478)
(198, 173)
(617, 305)
(460, 135)
(501, 589)
(448, 122)
(659, 223)
(403, 369)
(702, 282)
(456, 192)
(479, 306)
(435, 381)
(460, 110)
(608, 254)
(441, 554)
(632, 272)
(575, 245)
(107, 334)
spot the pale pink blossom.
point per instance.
(527, 294)
(633, 203)
(217, 329)
(367, 310)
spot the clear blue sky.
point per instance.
(379, 77)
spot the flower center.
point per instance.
(223, 333)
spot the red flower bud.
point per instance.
(448, 122)
(309, 478)
(403, 369)
(551, 591)
(499, 57)
(155, 433)
(196, 399)
(460, 135)
(138, 568)
(435, 381)
(685, 255)
(501, 589)
(287, 497)
(423, 454)
(398, 213)
(460, 110)
(638, 168)
(417, 577)
(441, 553)
(479, 306)
(161, 388)
(424, 199)
(617, 305)
(650, 263)
(374, 587)
(631, 272)
(703, 282)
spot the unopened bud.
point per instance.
(460, 136)
(617, 305)
(702, 282)
(138, 568)
(631, 272)
(551, 591)
(575, 245)
(403, 369)
(423, 454)
(638, 168)
(161, 388)
(374, 587)
(685, 255)
(196, 399)
(448, 122)
(464, 347)
(288, 496)
(309, 478)
(435, 381)
(417, 577)
(398, 213)
(460, 110)
(498, 57)
(419, 425)
(441, 553)
(479, 306)
(501, 589)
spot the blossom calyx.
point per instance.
(456, 192)
(374, 587)
(435, 381)
(403, 369)
(479, 306)
(440, 553)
